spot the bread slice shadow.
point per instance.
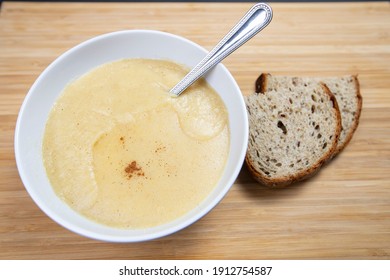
(255, 190)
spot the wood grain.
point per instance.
(342, 213)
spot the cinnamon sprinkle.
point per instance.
(132, 169)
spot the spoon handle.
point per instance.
(258, 17)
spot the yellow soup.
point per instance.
(121, 151)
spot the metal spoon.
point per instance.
(256, 19)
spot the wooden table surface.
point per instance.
(342, 213)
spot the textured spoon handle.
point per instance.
(258, 17)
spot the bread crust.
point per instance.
(261, 86)
(261, 83)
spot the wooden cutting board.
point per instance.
(342, 213)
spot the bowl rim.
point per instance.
(145, 236)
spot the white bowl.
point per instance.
(79, 60)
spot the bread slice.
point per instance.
(346, 89)
(295, 125)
